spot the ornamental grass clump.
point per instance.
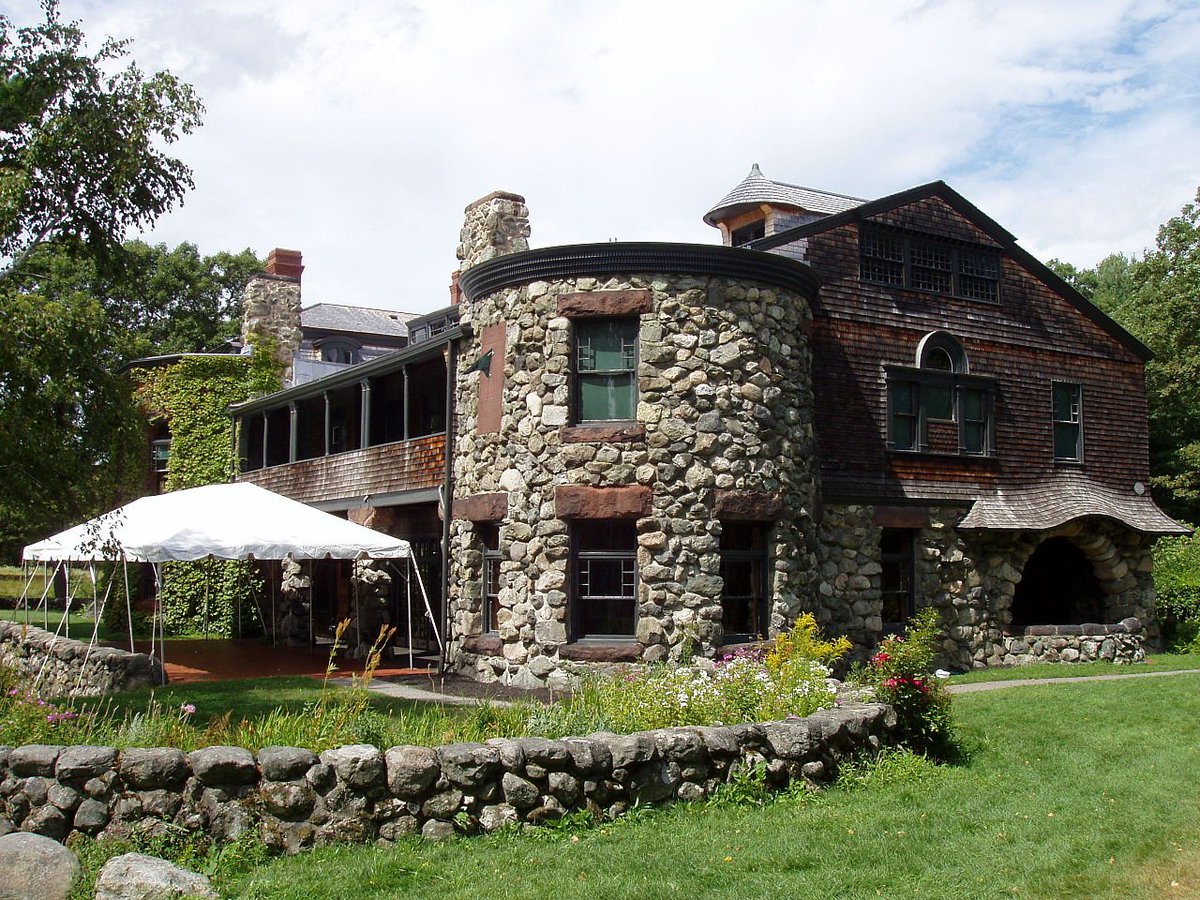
(901, 674)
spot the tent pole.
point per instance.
(128, 601)
(162, 635)
(408, 610)
(312, 638)
(274, 582)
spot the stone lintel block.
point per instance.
(629, 302)
(747, 505)
(577, 501)
(602, 651)
(596, 434)
(482, 507)
(483, 643)
(901, 517)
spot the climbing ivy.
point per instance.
(192, 396)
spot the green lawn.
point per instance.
(79, 624)
(1159, 662)
(1079, 790)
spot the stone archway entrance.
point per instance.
(1058, 586)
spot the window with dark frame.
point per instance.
(897, 581)
(939, 390)
(744, 570)
(739, 237)
(1068, 421)
(606, 369)
(923, 263)
(605, 565)
(160, 455)
(489, 537)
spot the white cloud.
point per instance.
(358, 133)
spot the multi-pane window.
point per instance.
(160, 454)
(605, 564)
(1068, 421)
(744, 570)
(927, 264)
(606, 369)
(489, 536)
(896, 558)
(938, 407)
(747, 233)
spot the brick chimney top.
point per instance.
(286, 263)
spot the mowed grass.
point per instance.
(1066, 791)
(1158, 662)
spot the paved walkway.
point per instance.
(1023, 682)
(406, 690)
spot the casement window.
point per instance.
(938, 406)
(160, 455)
(744, 570)
(739, 237)
(604, 560)
(896, 581)
(605, 369)
(924, 263)
(489, 536)
(1068, 421)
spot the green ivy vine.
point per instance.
(192, 396)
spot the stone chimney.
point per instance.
(493, 226)
(271, 307)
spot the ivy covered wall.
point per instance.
(192, 397)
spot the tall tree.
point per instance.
(1165, 313)
(80, 140)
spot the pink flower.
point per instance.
(187, 708)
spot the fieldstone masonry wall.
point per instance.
(971, 578)
(724, 410)
(70, 668)
(297, 799)
(493, 226)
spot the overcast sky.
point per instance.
(357, 132)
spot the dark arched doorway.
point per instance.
(1058, 587)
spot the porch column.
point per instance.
(266, 423)
(328, 423)
(404, 411)
(293, 432)
(364, 420)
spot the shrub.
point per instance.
(1177, 581)
(901, 674)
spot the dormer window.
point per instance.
(922, 263)
(740, 237)
(341, 351)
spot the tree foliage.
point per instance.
(81, 140)
(1157, 298)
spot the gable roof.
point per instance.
(756, 189)
(337, 317)
(985, 223)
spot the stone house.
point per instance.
(849, 407)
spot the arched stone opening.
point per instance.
(1059, 586)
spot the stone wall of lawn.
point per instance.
(297, 799)
(70, 668)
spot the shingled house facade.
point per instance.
(852, 408)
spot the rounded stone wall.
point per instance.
(721, 432)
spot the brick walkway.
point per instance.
(189, 661)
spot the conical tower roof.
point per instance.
(756, 189)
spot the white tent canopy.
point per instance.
(224, 521)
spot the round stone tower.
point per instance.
(634, 466)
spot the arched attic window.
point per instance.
(340, 350)
(937, 406)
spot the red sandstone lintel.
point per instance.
(577, 501)
(596, 434)
(606, 303)
(482, 507)
(747, 506)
